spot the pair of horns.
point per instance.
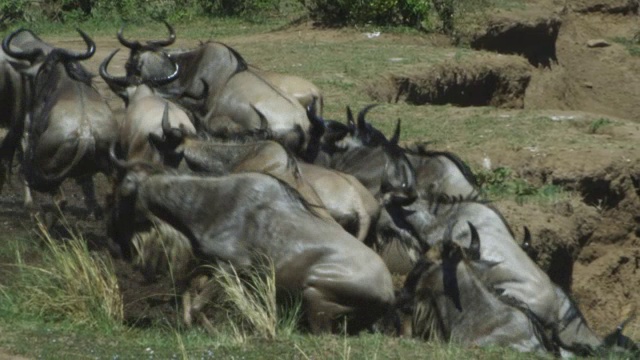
(32, 55)
(361, 126)
(124, 81)
(151, 44)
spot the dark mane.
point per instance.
(437, 200)
(294, 195)
(78, 72)
(242, 63)
(421, 150)
(539, 329)
(248, 138)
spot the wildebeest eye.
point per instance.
(404, 185)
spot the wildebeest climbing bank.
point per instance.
(210, 162)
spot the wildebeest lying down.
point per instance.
(236, 218)
(341, 195)
(449, 301)
(222, 92)
(145, 112)
(512, 273)
(147, 60)
(380, 166)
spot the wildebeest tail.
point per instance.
(86, 145)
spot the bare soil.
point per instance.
(589, 243)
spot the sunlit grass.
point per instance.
(69, 283)
(251, 299)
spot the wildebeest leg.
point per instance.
(203, 289)
(89, 192)
(28, 199)
(321, 312)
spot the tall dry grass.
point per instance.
(69, 282)
(251, 298)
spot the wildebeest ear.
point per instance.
(474, 248)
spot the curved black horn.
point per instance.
(167, 79)
(133, 45)
(172, 134)
(121, 81)
(22, 55)
(167, 42)
(91, 49)
(474, 247)
(396, 134)
(166, 126)
(361, 115)
(351, 123)
(264, 124)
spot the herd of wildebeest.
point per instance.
(217, 162)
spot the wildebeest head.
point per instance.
(379, 163)
(169, 143)
(69, 60)
(147, 60)
(126, 86)
(444, 261)
(398, 184)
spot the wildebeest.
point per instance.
(450, 301)
(237, 218)
(441, 173)
(514, 273)
(145, 112)
(381, 166)
(70, 127)
(22, 50)
(146, 61)
(336, 195)
(225, 94)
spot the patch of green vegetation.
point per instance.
(502, 182)
(597, 124)
(632, 44)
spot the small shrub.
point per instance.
(632, 45)
(378, 12)
(502, 182)
(598, 124)
(13, 10)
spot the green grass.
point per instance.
(503, 183)
(340, 62)
(632, 44)
(598, 124)
(67, 282)
(37, 335)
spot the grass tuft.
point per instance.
(251, 296)
(70, 283)
(598, 124)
